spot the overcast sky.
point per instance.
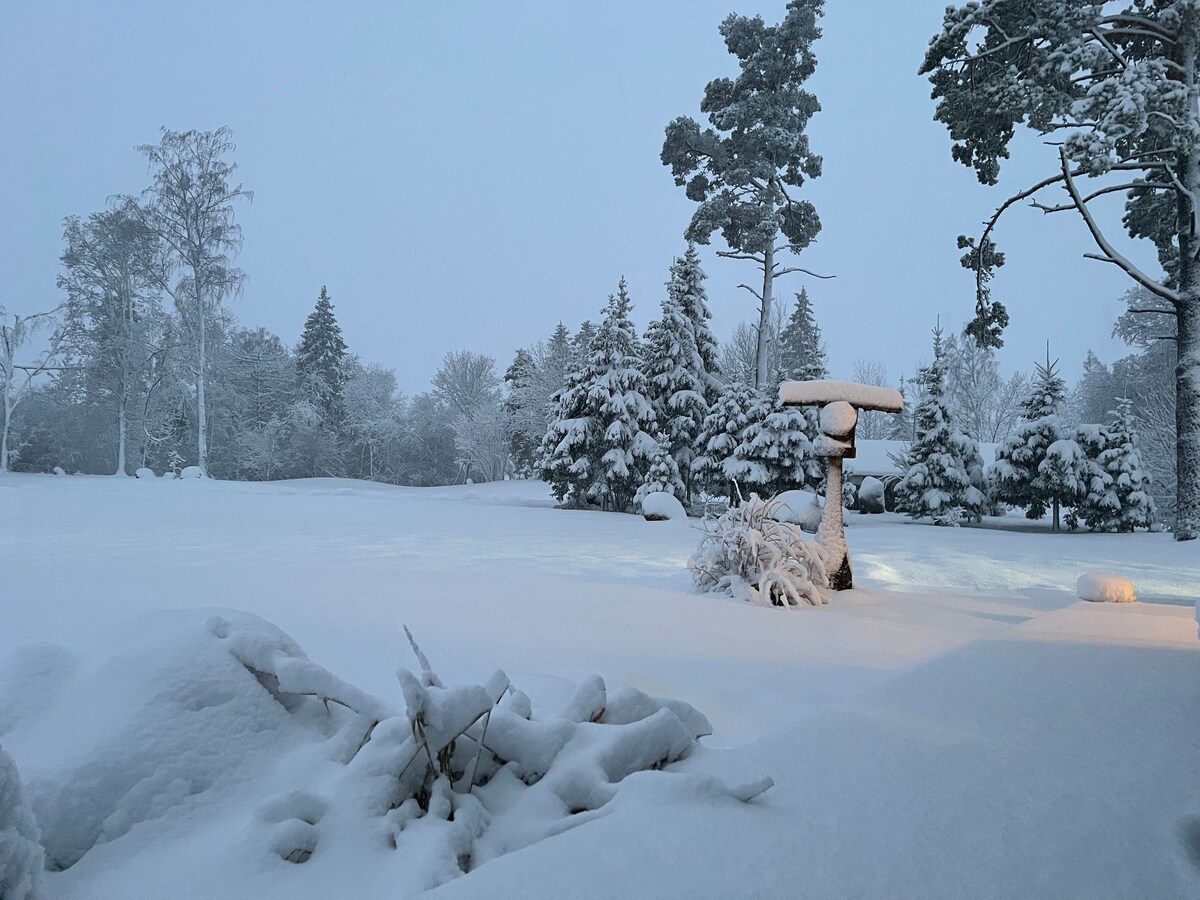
(466, 174)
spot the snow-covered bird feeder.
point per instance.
(839, 402)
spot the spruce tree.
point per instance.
(526, 428)
(1019, 477)
(321, 362)
(944, 476)
(662, 473)
(801, 355)
(775, 452)
(598, 448)
(721, 433)
(1117, 495)
(680, 363)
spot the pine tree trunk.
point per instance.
(4, 433)
(121, 421)
(1054, 525)
(762, 361)
(1187, 369)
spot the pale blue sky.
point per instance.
(465, 174)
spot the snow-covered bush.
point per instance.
(803, 508)
(144, 473)
(870, 495)
(20, 854)
(751, 555)
(1103, 587)
(660, 506)
(218, 711)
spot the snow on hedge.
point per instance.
(20, 854)
(1103, 587)
(660, 505)
(210, 717)
(818, 393)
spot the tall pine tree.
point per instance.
(680, 363)
(720, 434)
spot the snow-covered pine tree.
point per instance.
(941, 459)
(775, 452)
(581, 344)
(1117, 493)
(525, 427)
(321, 362)
(801, 355)
(663, 472)
(721, 432)
(680, 363)
(1019, 477)
(598, 448)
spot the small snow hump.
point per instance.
(1102, 587)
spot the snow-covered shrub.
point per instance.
(20, 854)
(658, 506)
(751, 555)
(144, 474)
(870, 495)
(190, 472)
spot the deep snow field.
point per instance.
(958, 726)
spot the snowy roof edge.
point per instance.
(863, 396)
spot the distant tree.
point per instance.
(189, 206)
(581, 345)
(112, 281)
(1116, 87)
(662, 473)
(598, 448)
(18, 375)
(739, 354)
(802, 356)
(526, 422)
(943, 480)
(469, 386)
(1037, 468)
(985, 405)
(1095, 393)
(743, 169)
(372, 414)
(872, 424)
(321, 362)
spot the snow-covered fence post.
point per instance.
(840, 402)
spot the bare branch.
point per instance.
(751, 290)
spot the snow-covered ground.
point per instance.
(961, 725)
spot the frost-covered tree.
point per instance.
(581, 344)
(112, 283)
(743, 170)
(739, 353)
(943, 479)
(189, 206)
(985, 405)
(775, 451)
(1036, 468)
(721, 433)
(873, 425)
(598, 448)
(1096, 392)
(469, 386)
(1118, 86)
(372, 414)
(321, 363)
(18, 375)
(526, 424)
(680, 363)
(801, 354)
(1116, 495)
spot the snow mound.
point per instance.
(661, 505)
(870, 495)
(144, 473)
(215, 730)
(801, 508)
(58, 470)
(1102, 587)
(818, 393)
(190, 472)
(20, 854)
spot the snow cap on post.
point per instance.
(861, 396)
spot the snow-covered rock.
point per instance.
(1103, 587)
(870, 495)
(144, 473)
(801, 508)
(58, 470)
(190, 472)
(21, 855)
(661, 505)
